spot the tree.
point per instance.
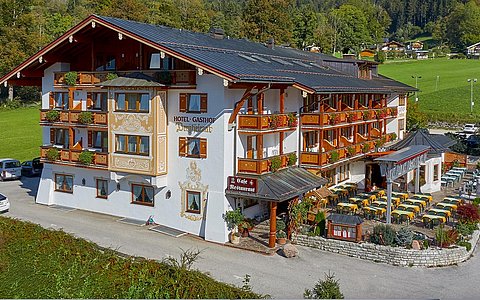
(352, 28)
(415, 118)
(329, 288)
(463, 24)
(305, 23)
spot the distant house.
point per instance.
(421, 54)
(473, 51)
(367, 53)
(393, 46)
(418, 45)
(415, 50)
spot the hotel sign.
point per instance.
(241, 184)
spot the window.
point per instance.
(155, 61)
(142, 194)
(401, 124)
(435, 172)
(98, 139)
(193, 147)
(193, 103)
(110, 65)
(132, 144)
(102, 188)
(64, 183)
(61, 100)
(132, 102)
(401, 100)
(99, 101)
(193, 202)
(337, 230)
(60, 137)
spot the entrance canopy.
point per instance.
(280, 186)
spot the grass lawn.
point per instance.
(40, 263)
(20, 133)
(445, 98)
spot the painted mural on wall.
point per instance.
(197, 194)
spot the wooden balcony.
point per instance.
(70, 117)
(273, 122)
(261, 166)
(71, 157)
(168, 77)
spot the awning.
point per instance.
(282, 185)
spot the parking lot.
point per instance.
(274, 275)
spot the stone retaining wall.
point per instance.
(434, 257)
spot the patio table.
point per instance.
(415, 208)
(416, 202)
(358, 200)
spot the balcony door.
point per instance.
(252, 142)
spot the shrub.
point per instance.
(281, 225)
(281, 234)
(466, 229)
(404, 237)
(445, 238)
(380, 57)
(275, 163)
(329, 288)
(85, 117)
(86, 157)
(71, 78)
(468, 213)
(321, 223)
(111, 76)
(383, 235)
(334, 156)
(53, 154)
(476, 201)
(465, 244)
(53, 115)
(233, 218)
(292, 159)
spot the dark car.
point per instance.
(32, 167)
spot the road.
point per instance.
(274, 275)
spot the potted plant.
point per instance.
(281, 235)
(352, 117)
(292, 159)
(85, 117)
(244, 228)
(381, 114)
(292, 120)
(275, 163)
(334, 156)
(233, 218)
(351, 151)
(53, 154)
(365, 147)
(86, 157)
(71, 78)
(111, 76)
(365, 115)
(393, 136)
(275, 121)
(333, 119)
(53, 115)
(379, 143)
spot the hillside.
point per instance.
(444, 91)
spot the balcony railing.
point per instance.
(74, 117)
(72, 157)
(267, 122)
(348, 116)
(169, 77)
(264, 165)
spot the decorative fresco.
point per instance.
(193, 185)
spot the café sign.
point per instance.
(241, 184)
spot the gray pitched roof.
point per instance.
(135, 79)
(282, 185)
(345, 219)
(422, 137)
(236, 57)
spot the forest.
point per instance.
(331, 25)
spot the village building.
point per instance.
(393, 46)
(150, 122)
(473, 51)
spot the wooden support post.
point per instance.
(320, 142)
(282, 101)
(259, 146)
(273, 225)
(260, 103)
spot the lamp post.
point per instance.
(416, 85)
(471, 93)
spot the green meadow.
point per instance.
(444, 91)
(20, 134)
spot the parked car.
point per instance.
(4, 204)
(468, 130)
(32, 167)
(10, 169)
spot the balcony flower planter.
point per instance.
(393, 136)
(52, 116)
(85, 117)
(394, 111)
(275, 163)
(366, 115)
(351, 117)
(365, 148)
(292, 120)
(292, 159)
(350, 151)
(379, 143)
(86, 157)
(71, 78)
(334, 156)
(334, 119)
(111, 76)
(53, 154)
(275, 122)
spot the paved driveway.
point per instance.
(274, 275)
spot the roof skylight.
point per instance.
(281, 61)
(247, 57)
(301, 64)
(261, 58)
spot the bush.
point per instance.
(467, 245)
(445, 238)
(329, 288)
(275, 163)
(111, 76)
(466, 229)
(85, 117)
(53, 115)
(476, 201)
(468, 213)
(292, 159)
(86, 157)
(53, 154)
(380, 57)
(404, 237)
(281, 225)
(71, 78)
(233, 218)
(383, 235)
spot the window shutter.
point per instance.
(52, 136)
(89, 100)
(183, 102)
(90, 138)
(182, 146)
(203, 103)
(51, 100)
(203, 148)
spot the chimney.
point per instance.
(217, 33)
(271, 43)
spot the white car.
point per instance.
(4, 204)
(469, 129)
(10, 169)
